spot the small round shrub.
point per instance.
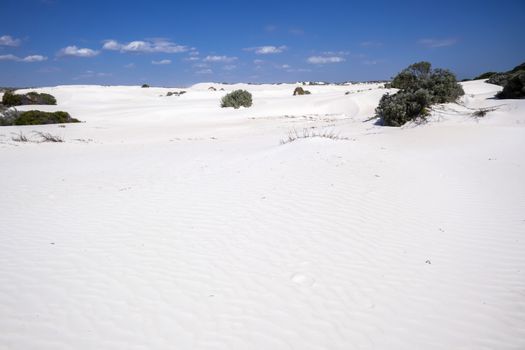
(236, 99)
(145, 86)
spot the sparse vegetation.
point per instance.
(20, 137)
(237, 99)
(47, 137)
(145, 86)
(294, 135)
(420, 87)
(31, 98)
(211, 88)
(34, 117)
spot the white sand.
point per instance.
(175, 224)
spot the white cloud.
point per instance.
(258, 61)
(161, 62)
(146, 46)
(34, 58)
(267, 50)
(8, 40)
(204, 71)
(229, 67)
(433, 43)
(130, 65)
(224, 59)
(27, 59)
(192, 58)
(92, 74)
(325, 59)
(77, 52)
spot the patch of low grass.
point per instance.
(294, 135)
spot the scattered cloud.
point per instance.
(229, 67)
(8, 40)
(336, 53)
(200, 65)
(92, 74)
(298, 70)
(130, 65)
(27, 59)
(433, 43)
(192, 58)
(204, 71)
(225, 59)
(145, 46)
(325, 59)
(266, 50)
(258, 61)
(161, 62)
(77, 52)
(270, 28)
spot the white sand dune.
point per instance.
(170, 223)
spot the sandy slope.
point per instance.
(169, 223)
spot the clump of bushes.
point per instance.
(175, 93)
(145, 86)
(236, 99)
(300, 91)
(420, 86)
(515, 86)
(31, 98)
(485, 75)
(13, 117)
(513, 82)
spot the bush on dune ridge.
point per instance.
(419, 86)
(513, 82)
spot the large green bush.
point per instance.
(236, 99)
(13, 117)
(515, 86)
(420, 86)
(31, 98)
(9, 99)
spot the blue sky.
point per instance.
(177, 43)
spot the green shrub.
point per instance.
(145, 86)
(9, 99)
(515, 86)
(399, 108)
(499, 79)
(485, 75)
(31, 98)
(300, 91)
(34, 117)
(237, 99)
(420, 87)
